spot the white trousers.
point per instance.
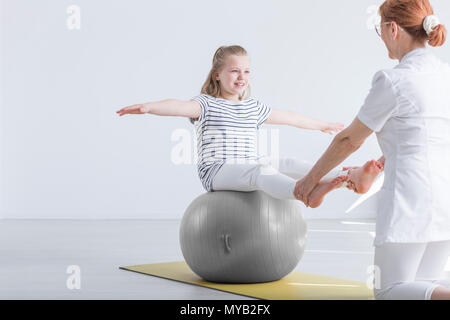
(276, 177)
(410, 271)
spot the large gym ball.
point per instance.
(242, 237)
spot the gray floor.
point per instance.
(35, 255)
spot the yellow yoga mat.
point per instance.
(295, 286)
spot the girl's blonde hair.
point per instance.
(211, 85)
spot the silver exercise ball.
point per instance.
(242, 237)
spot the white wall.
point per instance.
(66, 154)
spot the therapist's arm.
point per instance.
(342, 146)
(295, 119)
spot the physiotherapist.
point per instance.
(408, 108)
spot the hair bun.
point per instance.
(437, 37)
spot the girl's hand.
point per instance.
(331, 127)
(134, 109)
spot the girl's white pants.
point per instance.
(410, 271)
(276, 177)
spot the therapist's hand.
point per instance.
(303, 189)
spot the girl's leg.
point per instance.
(282, 183)
(254, 176)
(297, 169)
(274, 183)
(360, 179)
(398, 265)
(262, 176)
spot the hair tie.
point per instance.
(430, 23)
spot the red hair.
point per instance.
(410, 14)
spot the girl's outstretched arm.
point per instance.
(295, 119)
(169, 108)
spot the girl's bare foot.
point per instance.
(324, 186)
(362, 178)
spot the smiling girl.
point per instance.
(227, 120)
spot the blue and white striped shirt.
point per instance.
(226, 130)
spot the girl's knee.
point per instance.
(266, 170)
(261, 175)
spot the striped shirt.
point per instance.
(226, 130)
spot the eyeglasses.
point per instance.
(378, 28)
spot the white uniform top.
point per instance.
(409, 109)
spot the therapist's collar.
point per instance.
(414, 52)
